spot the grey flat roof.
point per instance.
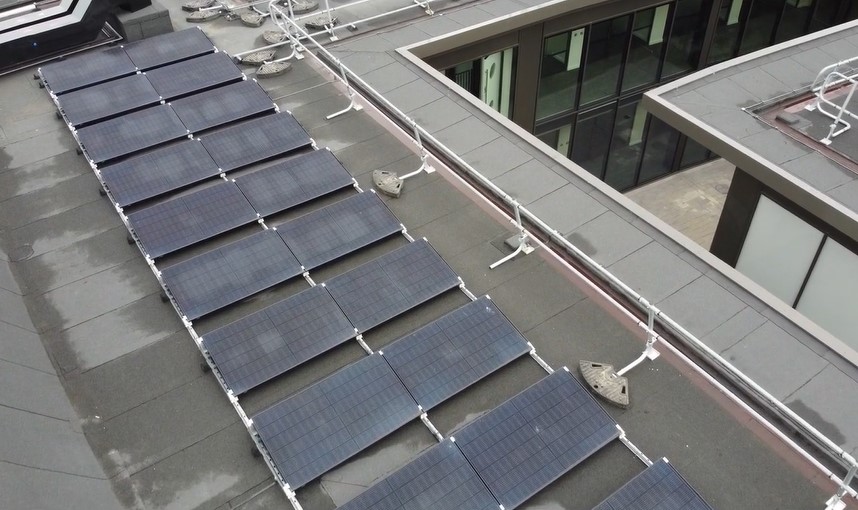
(147, 429)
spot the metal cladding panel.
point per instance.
(159, 171)
(532, 439)
(107, 99)
(448, 355)
(440, 479)
(84, 70)
(255, 140)
(338, 229)
(182, 221)
(293, 182)
(222, 105)
(192, 75)
(130, 133)
(658, 487)
(383, 288)
(168, 48)
(276, 339)
(317, 429)
(215, 279)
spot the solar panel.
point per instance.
(340, 228)
(255, 140)
(320, 427)
(391, 284)
(658, 487)
(440, 479)
(192, 75)
(168, 48)
(217, 278)
(448, 355)
(159, 171)
(84, 70)
(130, 133)
(107, 99)
(222, 105)
(182, 221)
(532, 439)
(293, 182)
(277, 338)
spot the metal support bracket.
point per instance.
(524, 245)
(390, 183)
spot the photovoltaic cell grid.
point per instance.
(107, 99)
(658, 487)
(532, 439)
(182, 221)
(168, 48)
(159, 171)
(315, 430)
(222, 105)
(272, 341)
(440, 479)
(192, 75)
(448, 355)
(293, 182)
(338, 229)
(255, 140)
(212, 280)
(383, 288)
(130, 133)
(84, 70)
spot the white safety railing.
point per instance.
(302, 39)
(835, 76)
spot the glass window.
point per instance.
(626, 146)
(605, 48)
(465, 76)
(824, 14)
(558, 80)
(593, 139)
(559, 139)
(646, 47)
(659, 152)
(686, 37)
(794, 19)
(760, 25)
(727, 32)
(496, 80)
(693, 154)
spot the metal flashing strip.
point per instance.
(278, 338)
(168, 48)
(222, 105)
(108, 99)
(658, 487)
(255, 140)
(327, 423)
(130, 133)
(189, 76)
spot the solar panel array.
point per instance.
(222, 105)
(167, 48)
(193, 75)
(130, 133)
(108, 99)
(340, 228)
(255, 140)
(318, 428)
(658, 487)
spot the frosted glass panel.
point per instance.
(778, 250)
(831, 296)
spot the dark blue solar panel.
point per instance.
(255, 140)
(658, 487)
(108, 99)
(294, 181)
(84, 70)
(182, 221)
(159, 171)
(448, 355)
(392, 284)
(192, 75)
(217, 278)
(130, 133)
(317, 429)
(167, 48)
(529, 441)
(222, 105)
(440, 479)
(267, 343)
(338, 229)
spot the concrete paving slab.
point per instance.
(27, 126)
(654, 272)
(36, 148)
(467, 228)
(372, 154)
(775, 147)
(27, 487)
(389, 77)
(403, 36)
(847, 194)
(24, 348)
(65, 196)
(468, 17)
(439, 114)
(41, 174)
(413, 95)
(530, 182)
(819, 171)
(35, 392)
(824, 402)
(441, 24)
(467, 135)
(496, 157)
(717, 93)
(289, 102)
(7, 280)
(566, 208)
(476, 261)
(782, 363)
(760, 84)
(427, 203)
(13, 311)
(787, 70)
(733, 330)
(684, 305)
(347, 130)
(362, 61)
(607, 238)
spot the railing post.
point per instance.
(523, 244)
(836, 501)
